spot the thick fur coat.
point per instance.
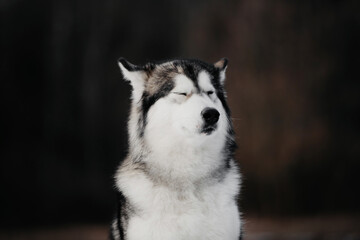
(179, 180)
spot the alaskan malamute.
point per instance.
(179, 180)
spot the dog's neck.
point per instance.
(183, 164)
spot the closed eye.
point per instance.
(180, 93)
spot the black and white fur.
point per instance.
(179, 180)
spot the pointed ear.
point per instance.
(136, 75)
(221, 65)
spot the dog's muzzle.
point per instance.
(210, 117)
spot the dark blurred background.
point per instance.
(293, 86)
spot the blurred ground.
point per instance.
(321, 228)
(90, 232)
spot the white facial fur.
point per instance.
(204, 82)
(175, 123)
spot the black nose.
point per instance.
(210, 116)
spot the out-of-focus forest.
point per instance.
(293, 87)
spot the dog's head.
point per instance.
(179, 101)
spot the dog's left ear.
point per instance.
(136, 75)
(221, 65)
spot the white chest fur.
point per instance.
(199, 213)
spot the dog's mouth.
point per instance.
(207, 130)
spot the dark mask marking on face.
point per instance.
(149, 100)
(192, 73)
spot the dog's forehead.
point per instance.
(183, 84)
(161, 75)
(204, 81)
(201, 83)
(180, 72)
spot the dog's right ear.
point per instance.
(221, 65)
(136, 75)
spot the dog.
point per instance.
(179, 180)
